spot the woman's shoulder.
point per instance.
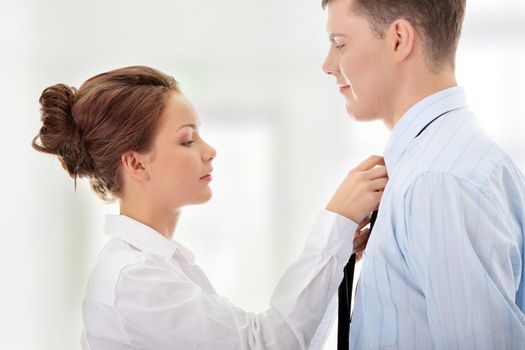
(114, 257)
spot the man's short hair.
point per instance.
(438, 21)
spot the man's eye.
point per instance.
(339, 46)
(188, 143)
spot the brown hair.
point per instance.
(439, 21)
(111, 113)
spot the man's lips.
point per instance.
(343, 88)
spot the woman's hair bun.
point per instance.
(111, 113)
(60, 134)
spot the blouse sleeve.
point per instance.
(161, 310)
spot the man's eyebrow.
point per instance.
(331, 37)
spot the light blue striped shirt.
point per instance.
(443, 268)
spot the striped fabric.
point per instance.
(444, 268)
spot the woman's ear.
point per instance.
(133, 164)
(401, 35)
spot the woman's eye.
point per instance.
(188, 143)
(339, 46)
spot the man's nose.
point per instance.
(330, 67)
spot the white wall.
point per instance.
(252, 69)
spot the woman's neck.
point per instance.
(162, 221)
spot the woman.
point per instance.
(134, 135)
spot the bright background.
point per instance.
(252, 68)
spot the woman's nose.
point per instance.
(209, 154)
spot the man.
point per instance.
(444, 267)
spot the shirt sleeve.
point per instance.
(159, 309)
(467, 262)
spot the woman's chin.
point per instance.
(204, 197)
(207, 199)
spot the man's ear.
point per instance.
(401, 35)
(133, 164)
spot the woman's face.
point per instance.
(179, 164)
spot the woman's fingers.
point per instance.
(361, 190)
(377, 172)
(371, 162)
(379, 184)
(360, 240)
(363, 223)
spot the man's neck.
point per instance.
(416, 89)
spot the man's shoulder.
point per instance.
(488, 169)
(468, 155)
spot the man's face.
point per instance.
(359, 60)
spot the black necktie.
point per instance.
(345, 298)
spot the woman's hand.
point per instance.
(360, 192)
(361, 238)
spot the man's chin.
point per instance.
(352, 112)
(358, 115)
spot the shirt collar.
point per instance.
(417, 117)
(143, 237)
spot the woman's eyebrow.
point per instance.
(193, 126)
(332, 37)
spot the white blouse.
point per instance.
(146, 292)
